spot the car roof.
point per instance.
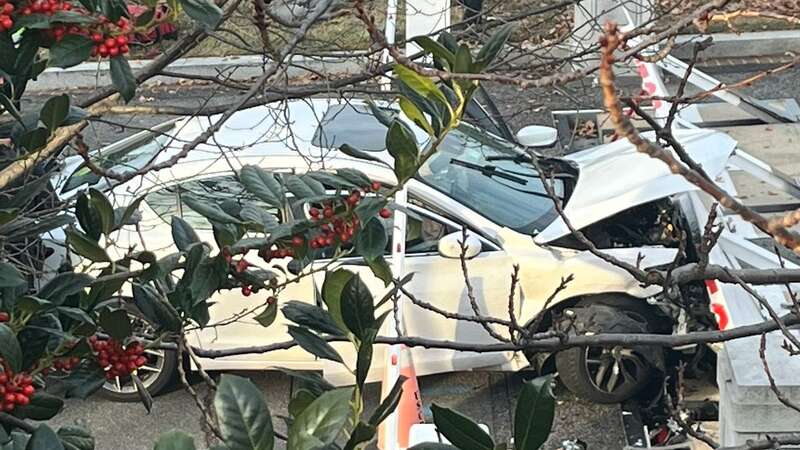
(286, 130)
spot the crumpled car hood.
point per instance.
(615, 177)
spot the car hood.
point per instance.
(615, 177)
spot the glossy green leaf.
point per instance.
(321, 422)
(116, 323)
(71, 50)
(9, 348)
(262, 184)
(208, 210)
(54, 111)
(10, 276)
(175, 440)
(423, 86)
(354, 176)
(204, 11)
(311, 316)
(144, 395)
(314, 344)
(439, 52)
(86, 246)
(122, 76)
(267, 317)
(42, 406)
(463, 62)
(460, 430)
(44, 438)
(332, 287)
(312, 381)
(301, 398)
(63, 285)
(402, 145)
(349, 150)
(104, 209)
(492, 48)
(533, 417)
(304, 187)
(371, 240)
(433, 446)
(363, 432)
(75, 438)
(244, 417)
(389, 404)
(364, 357)
(381, 269)
(88, 217)
(183, 234)
(358, 311)
(415, 114)
(155, 308)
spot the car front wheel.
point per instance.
(156, 373)
(606, 374)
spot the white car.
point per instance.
(626, 202)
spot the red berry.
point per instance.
(122, 40)
(124, 49)
(140, 361)
(314, 244)
(385, 213)
(97, 37)
(313, 212)
(4, 317)
(8, 407)
(375, 186)
(102, 50)
(8, 8)
(247, 290)
(28, 390)
(66, 6)
(297, 241)
(3, 378)
(22, 399)
(10, 398)
(110, 43)
(328, 212)
(113, 51)
(27, 11)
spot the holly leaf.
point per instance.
(244, 417)
(9, 348)
(122, 76)
(71, 50)
(203, 11)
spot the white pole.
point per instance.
(390, 429)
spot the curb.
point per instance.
(238, 68)
(90, 75)
(733, 45)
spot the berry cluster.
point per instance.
(15, 390)
(116, 359)
(340, 223)
(6, 22)
(66, 364)
(109, 46)
(48, 7)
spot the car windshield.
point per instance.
(125, 159)
(485, 173)
(472, 166)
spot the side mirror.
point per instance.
(537, 136)
(450, 245)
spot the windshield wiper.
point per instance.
(489, 171)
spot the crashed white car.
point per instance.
(624, 201)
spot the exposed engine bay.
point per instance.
(654, 223)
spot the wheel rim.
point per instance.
(149, 372)
(614, 370)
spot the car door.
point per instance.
(233, 314)
(439, 281)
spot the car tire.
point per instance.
(603, 374)
(165, 361)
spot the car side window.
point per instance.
(422, 231)
(222, 190)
